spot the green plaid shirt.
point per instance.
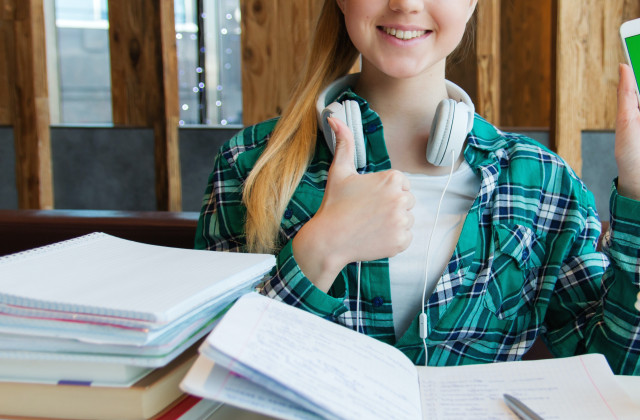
(525, 264)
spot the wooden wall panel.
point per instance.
(275, 38)
(526, 29)
(144, 82)
(488, 58)
(7, 60)
(588, 52)
(26, 105)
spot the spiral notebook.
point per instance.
(99, 281)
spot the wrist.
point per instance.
(628, 186)
(315, 254)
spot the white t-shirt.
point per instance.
(407, 269)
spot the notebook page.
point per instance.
(106, 275)
(218, 384)
(581, 387)
(319, 364)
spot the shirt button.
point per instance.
(370, 128)
(378, 301)
(288, 214)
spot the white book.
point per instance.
(272, 358)
(70, 372)
(102, 299)
(102, 275)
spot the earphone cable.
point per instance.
(358, 300)
(423, 315)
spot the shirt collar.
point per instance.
(483, 141)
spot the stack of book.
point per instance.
(102, 327)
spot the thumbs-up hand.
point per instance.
(361, 218)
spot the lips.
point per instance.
(402, 34)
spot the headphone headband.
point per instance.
(331, 92)
(453, 120)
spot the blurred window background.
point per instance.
(208, 49)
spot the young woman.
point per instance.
(513, 255)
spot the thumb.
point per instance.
(627, 99)
(344, 155)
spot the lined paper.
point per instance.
(576, 387)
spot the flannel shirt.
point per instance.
(525, 265)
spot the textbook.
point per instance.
(63, 371)
(143, 400)
(272, 358)
(99, 298)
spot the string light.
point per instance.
(192, 82)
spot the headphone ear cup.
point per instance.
(354, 122)
(448, 132)
(334, 109)
(349, 113)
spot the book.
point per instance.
(269, 357)
(189, 407)
(65, 371)
(143, 400)
(186, 407)
(99, 298)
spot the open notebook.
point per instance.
(272, 358)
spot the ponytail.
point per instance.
(278, 171)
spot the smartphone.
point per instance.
(630, 34)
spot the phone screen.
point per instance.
(633, 46)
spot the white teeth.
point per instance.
(405, 35)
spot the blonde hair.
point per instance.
(278, 171)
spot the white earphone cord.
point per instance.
(423, 315)
(358, 301)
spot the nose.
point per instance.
(406, 6)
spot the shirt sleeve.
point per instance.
(597, 292)
(289, 284)
(221, 228)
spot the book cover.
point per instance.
(142, 400)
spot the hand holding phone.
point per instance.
(627, 147)
(630, 35)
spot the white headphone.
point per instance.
(452, 122)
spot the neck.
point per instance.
(406, 107)
(408, 100)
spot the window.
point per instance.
(79, 76)
(208, 43)
(208, 48)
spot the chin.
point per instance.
(403, 73)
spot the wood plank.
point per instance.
(602, 55)
(275, 40)
(571, 40)
(526, 79)
(294, 23)
(7, 60)
(260, 82)
(144, 82)
(488, 60)
(30, 103)
(588, 52)
(26, 229)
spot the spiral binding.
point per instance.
(22, 255)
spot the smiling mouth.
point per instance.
(403, 35)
